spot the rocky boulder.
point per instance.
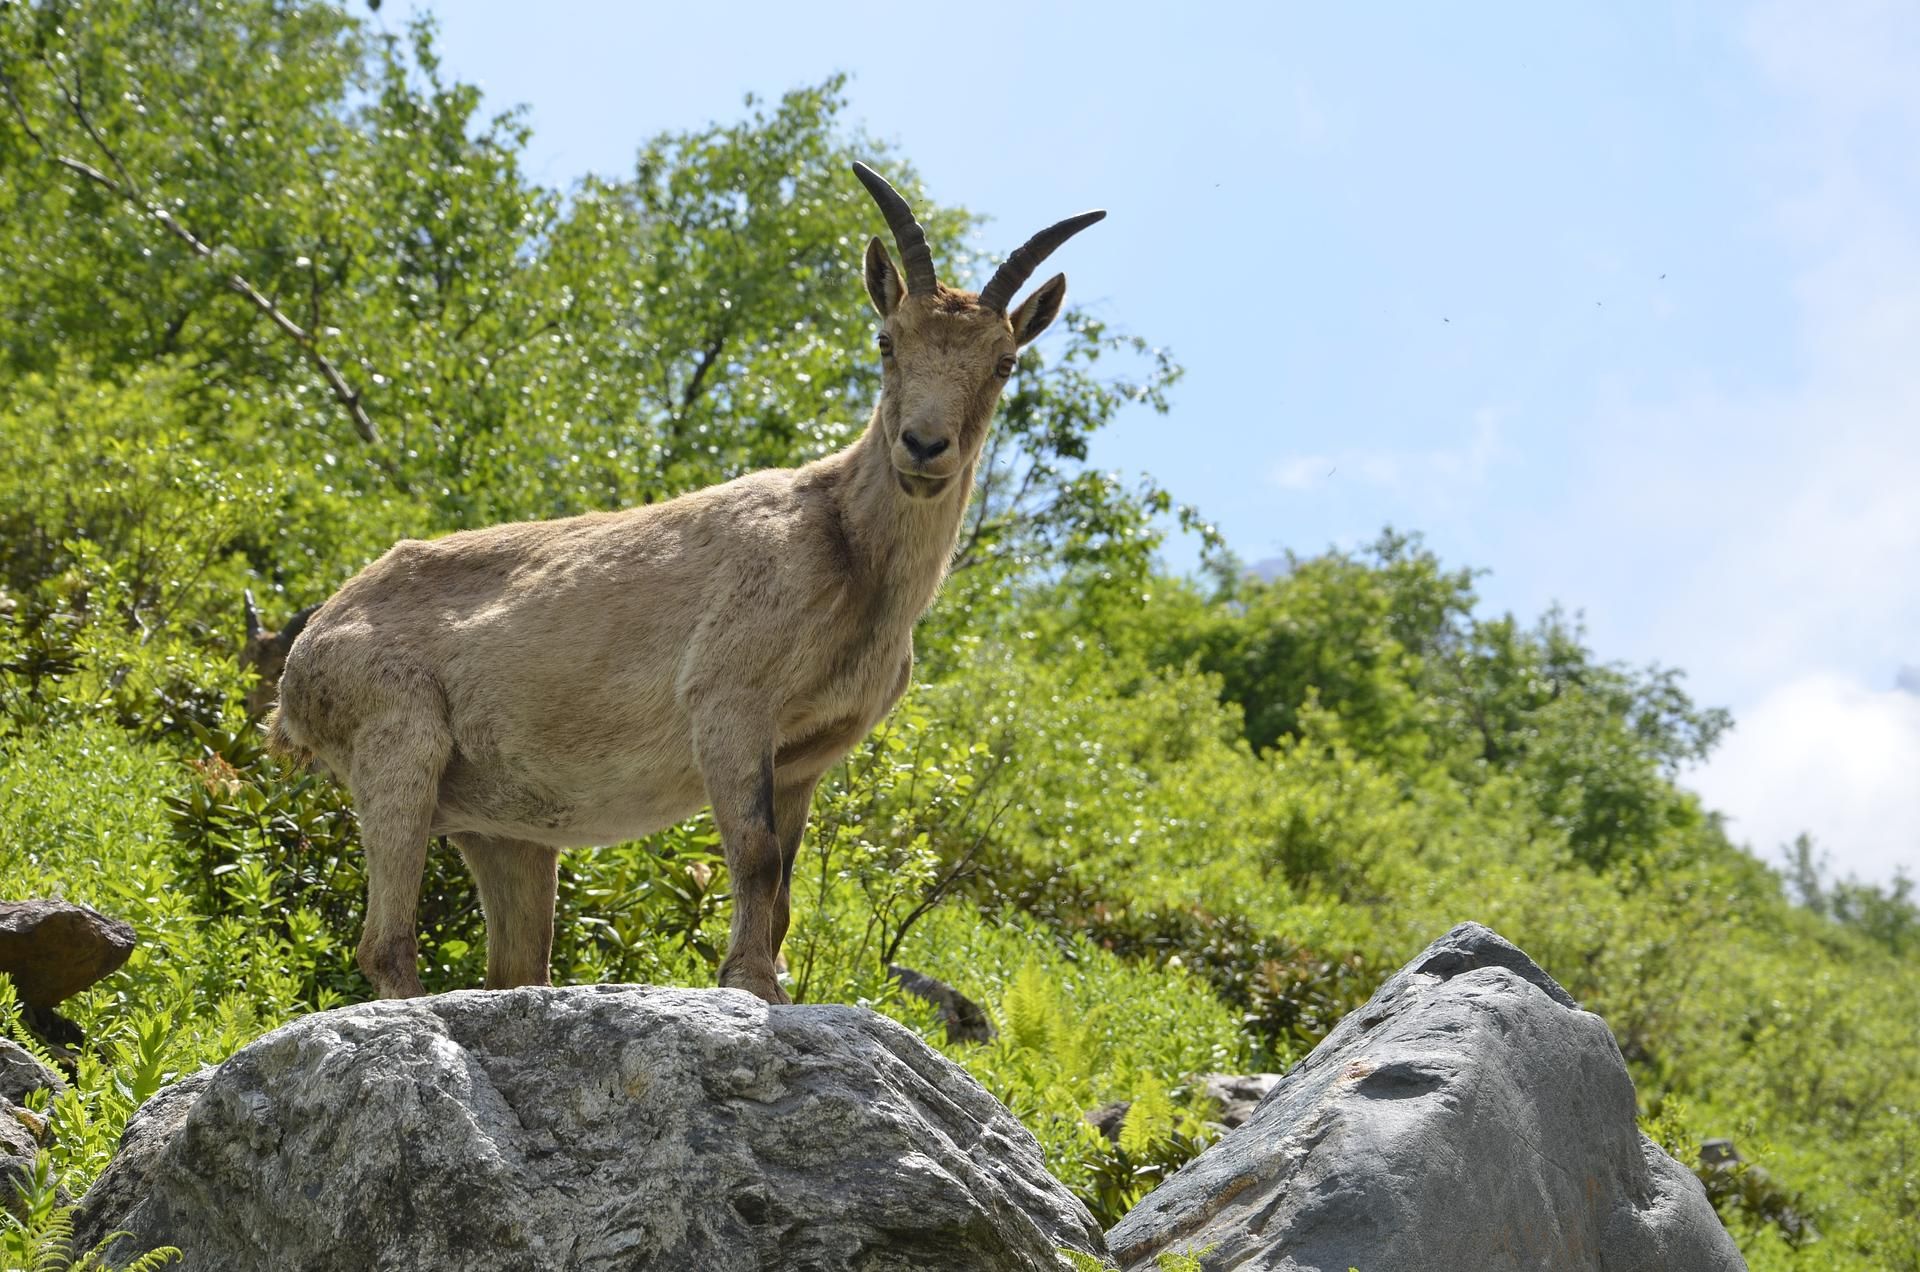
(1469, 1118)
(22, 1131)
(591, 1127)
(18, 1144)
(1234, 1097)
(55, 949)
(1237, 1095)
(966, 1020)
(21, 1075)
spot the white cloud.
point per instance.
(1772, 535)
(1847, 59)
(1303, 472)
(1828, 756)
(1399, 470)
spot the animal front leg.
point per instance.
(753, 864)
(736, 761)
(791, 805)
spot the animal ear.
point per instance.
(1039, 309)
(884, 287)
(295, 625)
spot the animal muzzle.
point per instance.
(924, 448)
(926, 453)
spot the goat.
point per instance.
(543, 685)
(265, 653)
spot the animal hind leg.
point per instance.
(397, 762)
(517, 882)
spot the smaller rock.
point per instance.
(1469, 1118)
(1109, 1118)
(21, 1074)
(1719, 1152)
(1237, 1094)
(1732, 1183)
(55, 949)
(966, 1020)
(17, 1137)
(22, 1131)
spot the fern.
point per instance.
(93, 1260)
(1030, 1007)
(39, 1237)
(1149, 1121)
(143, 1058)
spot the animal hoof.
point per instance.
(392, 968)
(763, 987)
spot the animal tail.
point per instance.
(280, 739)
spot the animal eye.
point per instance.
(1005, 369)
(886, 345)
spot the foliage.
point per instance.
(1080, 1028)
(1160, 826)
(1165, 1261)
(40, 1239)
(1887, 915)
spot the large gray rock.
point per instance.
(1469, 1118)
(597, 1127)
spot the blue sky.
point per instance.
(1619, 303)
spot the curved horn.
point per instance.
(1016, 269)
(915, 256)
(253, 615)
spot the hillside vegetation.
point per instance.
(273, 295)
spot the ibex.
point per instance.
(265, 653)
(538, 686)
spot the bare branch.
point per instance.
(708, 356)
(74, 100)
(961, 870)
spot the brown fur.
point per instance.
(538, 686)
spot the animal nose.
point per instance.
(922, 451)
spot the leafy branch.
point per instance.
(122, 187)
